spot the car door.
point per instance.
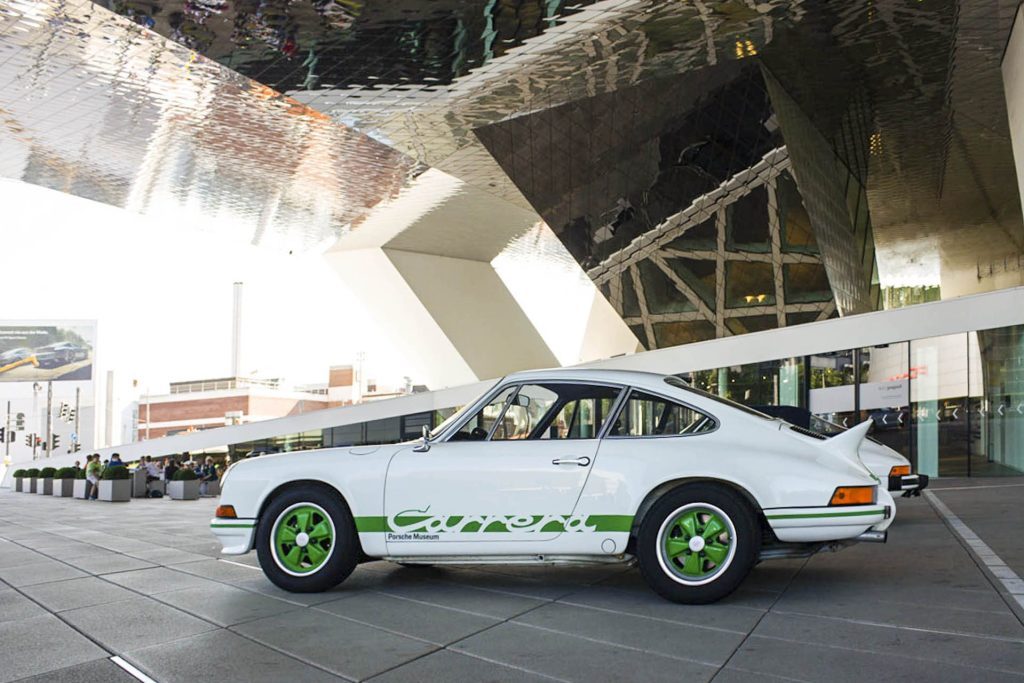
(505, 481)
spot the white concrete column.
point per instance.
(1013, 86)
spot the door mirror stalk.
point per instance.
(424, 445)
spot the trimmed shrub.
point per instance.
(47, 472)
(32, 472)
(79, 473)
(115, 472)
(184, 475)
(20, 474)
(65, 473)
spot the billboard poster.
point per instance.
(47, 352)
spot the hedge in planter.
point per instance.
(184, 485)
(33, 477)
(64, 482)
(80, 484)
(45, 486)
(115, 486)
(19, 479)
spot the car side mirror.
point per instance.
(424, 445)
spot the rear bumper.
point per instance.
(235, 535)
(803, 525)
(908, 482)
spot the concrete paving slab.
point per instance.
(219, 571)
(96, 671)
(224, 605)
(166, 556)
(807, 662)
(15, 556)
(60, 596)
(705, 645)
(31, 646)
(482, 602)
(223, 657)
(576, 659)
(108, 564)
(39, 572)
(649, 604)
(454, 667)
(73, 549)
(343, 647)
(997, 654)
(15, 606)
(156, 580)
(434, 624)
(134, 623)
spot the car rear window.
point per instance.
(680, 384)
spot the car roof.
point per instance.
(630, 377)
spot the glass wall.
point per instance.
(954, 405)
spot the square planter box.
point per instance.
(32, 481)
(19, 484)
(45, 487)
(115, 490)
(79, 488)
(183, 490)
(63, 487)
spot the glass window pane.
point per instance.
(524, 413)
(479, 426)
(648, 415)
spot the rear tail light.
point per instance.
(899, 471)
(853, 495)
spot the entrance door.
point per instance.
(506, 481)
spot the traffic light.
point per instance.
(28, 440)
(64, 408)
(71, 415)
(56, 442)
(3, 435)
(19, 422)
(76, 447)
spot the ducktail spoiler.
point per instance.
(848, 443)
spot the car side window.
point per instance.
(524, 412)
(479, 426)
(648, 415)
(580, 413)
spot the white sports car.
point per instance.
(564, 466)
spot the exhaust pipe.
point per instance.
(873, 537)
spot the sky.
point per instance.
(162, 295)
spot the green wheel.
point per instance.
(303, 537)
(306, 539)
(697, 543)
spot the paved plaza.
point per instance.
(84, 582)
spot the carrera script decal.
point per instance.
(419, 525)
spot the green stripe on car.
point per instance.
(239, 525)
(814, 515)
(496, 523)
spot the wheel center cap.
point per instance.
(302, 539)
(696, 544)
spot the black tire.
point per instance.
(666, 575)
(343, 551)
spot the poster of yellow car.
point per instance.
(46, 352)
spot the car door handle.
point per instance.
(582, 462)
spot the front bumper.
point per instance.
(235, 535)
(909, 483)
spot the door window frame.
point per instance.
(622, 405)
(623, 391)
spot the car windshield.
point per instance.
(680, 384)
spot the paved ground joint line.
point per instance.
(1009, 580)
(753, 628)
(131, 669)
